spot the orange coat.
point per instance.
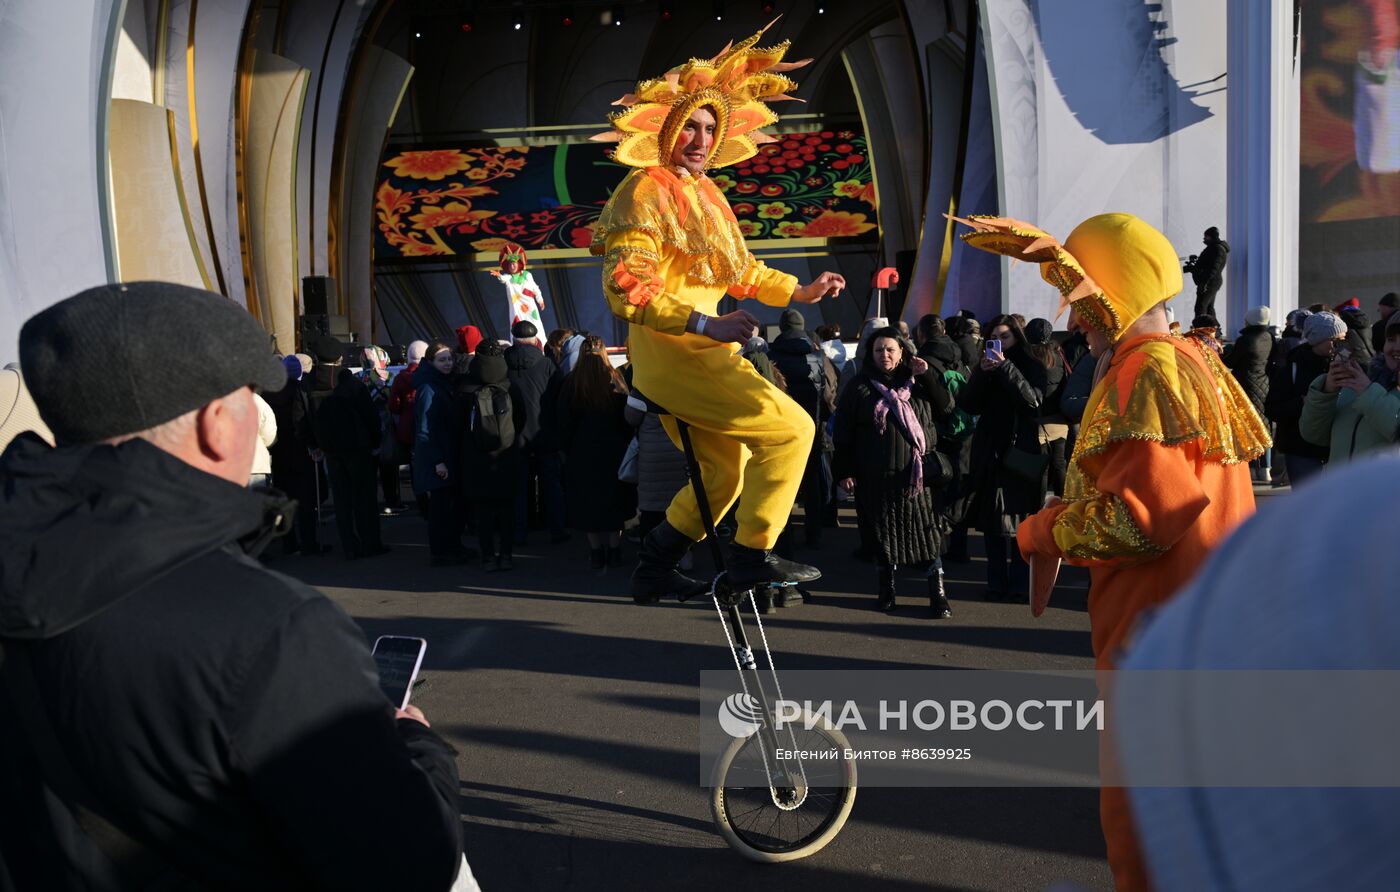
(1158, 479)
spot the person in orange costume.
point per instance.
(672, 249)
(1160, 472)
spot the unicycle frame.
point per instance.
(779, 776)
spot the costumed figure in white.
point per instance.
(526, 298)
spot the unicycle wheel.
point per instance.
(807, 813)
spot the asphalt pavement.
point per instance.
(575, 715)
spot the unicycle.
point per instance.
(767, 809)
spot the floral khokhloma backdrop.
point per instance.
(1350, 110)
(437, 201)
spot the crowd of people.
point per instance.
(954, 426)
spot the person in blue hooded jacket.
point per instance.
(437, 464)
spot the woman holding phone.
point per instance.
(1355, 410)
(1008, 474)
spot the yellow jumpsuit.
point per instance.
(671, 245)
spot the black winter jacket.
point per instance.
(971, 349)
(345, 421)
(529, 371)
(1283, 405)
(1007, 401)
(1210, 266)
(226, 717)
(943, 355)
(794, 354)
(1378, 334)
(1249, 361)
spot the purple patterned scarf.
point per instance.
(897, 398)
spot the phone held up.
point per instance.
(992, 345)
(398, 658)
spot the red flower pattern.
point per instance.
(801, 171)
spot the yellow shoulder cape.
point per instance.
(1167, 390)
(697, 222)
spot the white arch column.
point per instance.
(1262, 175)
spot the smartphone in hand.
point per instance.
(992, 345)
(398, 658)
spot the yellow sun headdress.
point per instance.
(1111, 269)
(737, 84)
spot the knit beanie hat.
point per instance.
(416, 350)
(488, 365)
(307, 363)
(791, 320)
(468, 337)
(1257, 316)
(1321, 327)
(1038, 331)
(293, 367)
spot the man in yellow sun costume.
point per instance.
(1160, 472)
(671, 250)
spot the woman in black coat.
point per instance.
(884, 428)
(1006, 392)
(594, 435)
(1053, 426)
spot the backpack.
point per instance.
(957, 425)
(816, 373)
(492, 419)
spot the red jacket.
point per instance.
(402, 396)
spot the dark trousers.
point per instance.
(1205, 298)
(444, 521)
(648, 521)
(352, 481)
(527, 496)
(815, 493)
(552, 491)
(1058, 465)
(1017, 580)
(957, 542)
(495, 522)
(301, 485)
(1300, 467)
(389, 483)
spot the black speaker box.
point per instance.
(318, 296)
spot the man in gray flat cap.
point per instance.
(174, 714)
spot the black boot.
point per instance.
(656, 574)
(885, 592)
(937, 597)
(752, 566)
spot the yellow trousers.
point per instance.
(748, 435)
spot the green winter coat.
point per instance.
(1352, 423)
